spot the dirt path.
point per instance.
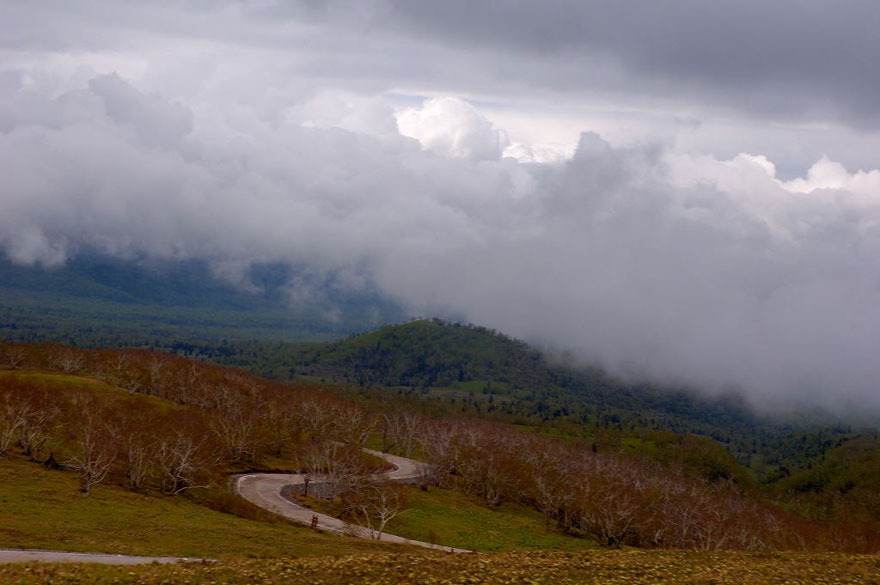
(264, 490)
(11, 555)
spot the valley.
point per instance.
(509, 481)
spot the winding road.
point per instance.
(15, 555)
(264, 490)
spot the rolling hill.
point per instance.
(473, 369)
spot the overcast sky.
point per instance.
(682, 190)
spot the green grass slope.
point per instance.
(40, 508)
(450, 518)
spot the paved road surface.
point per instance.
(406, 470)
(264, 490)
(11, 555)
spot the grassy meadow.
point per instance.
(44, 509)
(451, 518)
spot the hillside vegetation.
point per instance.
(156, 423)
(470, 370)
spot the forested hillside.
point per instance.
(467, 369)
(470, 370)
(156, 422)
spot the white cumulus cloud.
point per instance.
(452, 127)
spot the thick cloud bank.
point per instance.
(679, 268)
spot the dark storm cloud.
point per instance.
(795, 59)
(808, 58)
(772, 57)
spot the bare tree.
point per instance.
(94, 448)
(13, 354)
(122, 371)
(13, 414)
(315, 418)
(37, 428)
(334, 465)
(401, 430)
(66, 359)
(134, 433)
(159, 375)
(351, 424)
(280, 425)
(182, 460)
(236, 424)
(438, 441)
(138, 449)
(373, 503)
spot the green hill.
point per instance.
(488, 373)
(465, 369)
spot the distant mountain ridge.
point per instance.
(98, 297)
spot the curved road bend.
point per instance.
(264, 490)
(14, 555)
(406, 469)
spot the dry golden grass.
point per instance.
(425, 568)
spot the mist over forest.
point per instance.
(681, 212)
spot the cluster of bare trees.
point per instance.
(28, 419)
(93, 449)
(137, 444)
(619, 500)
(228, 420)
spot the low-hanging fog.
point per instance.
(691, 265)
